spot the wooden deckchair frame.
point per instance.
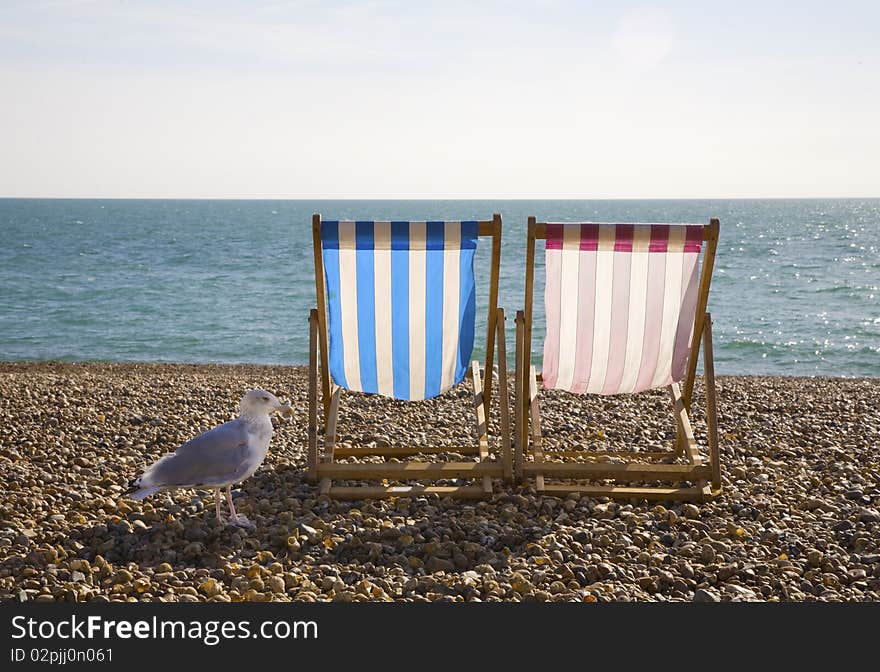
(322, 467)
(704, 477)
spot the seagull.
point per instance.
(218, 458)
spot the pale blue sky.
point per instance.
(544, 99)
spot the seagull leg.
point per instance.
(217, 500)
(235, 518)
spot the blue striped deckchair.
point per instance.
(396, 317)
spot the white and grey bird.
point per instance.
(218, 458)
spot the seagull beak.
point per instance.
(284, 410)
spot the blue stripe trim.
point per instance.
(434, 308)
(467, 308)
(470, 235)
(400, 308)
(366, 305)
(330, 245)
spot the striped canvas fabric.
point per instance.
(620, 301)
(401, 303)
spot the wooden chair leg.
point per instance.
(313, 397)
(330, 430)
(711, 403)
(519, 401)
(330, 438)
(480, 410)
(535, 423)
(503, 397)
(683, 425)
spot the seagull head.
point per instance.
(261, 402)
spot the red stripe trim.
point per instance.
(589, 237)
(694, 238)
(659, 238)
(554, 236)
(623, 237)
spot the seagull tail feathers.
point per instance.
(142, 493)
(143, 486)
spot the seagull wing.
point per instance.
(214, 458)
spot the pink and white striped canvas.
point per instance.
(620, 302)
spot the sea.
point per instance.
(796, 290)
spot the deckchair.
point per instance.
(396, 317)
(625, 310)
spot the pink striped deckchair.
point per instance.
(625, 309)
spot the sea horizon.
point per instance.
(428, 199)
(231, 280)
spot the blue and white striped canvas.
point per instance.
(401, 303)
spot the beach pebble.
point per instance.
(210, 588)
(706, 595)
(727, 571)
(276, 584)
(707, 554)
(690, 511)
(797, 520)
(122, 576)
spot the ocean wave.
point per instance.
(152, 266)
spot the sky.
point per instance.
(454, 99)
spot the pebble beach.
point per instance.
(798, 520)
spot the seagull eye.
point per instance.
(265, 398)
